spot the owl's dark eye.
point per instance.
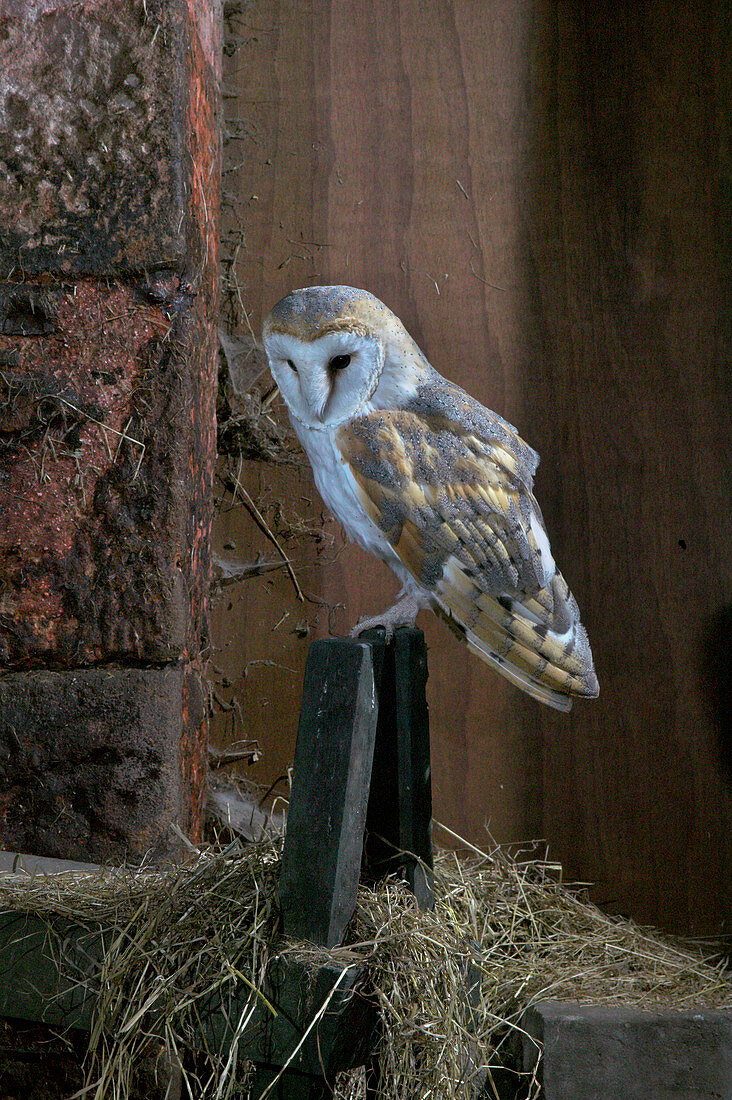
(339, 362)
(291, 365)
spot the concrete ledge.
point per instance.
(24, 863)
(617, 1053)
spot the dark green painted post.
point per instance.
(321, 861)
(399, 816)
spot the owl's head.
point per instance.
(330, 348)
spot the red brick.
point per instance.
(102, 474)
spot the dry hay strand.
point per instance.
(507, 928)
(513, 935)
(176, 936)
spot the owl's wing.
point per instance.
(449, 484)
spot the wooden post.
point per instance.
(348, 684)
(363, 704)
(321, 861)
(290, 1086)
(399, 816)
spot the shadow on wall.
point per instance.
(625, 402)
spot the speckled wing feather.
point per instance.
(449, 484)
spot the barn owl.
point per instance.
(427, 479)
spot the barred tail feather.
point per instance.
(537, 642)
(541, 692)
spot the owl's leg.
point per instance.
(402, 613)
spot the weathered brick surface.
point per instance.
(90, 760)
(98, 467)
(108, 306)
(596, 1052)
(105, 482)
(92, 162)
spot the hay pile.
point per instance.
(188, 931)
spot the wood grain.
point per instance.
(535, 189)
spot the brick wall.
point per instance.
(109, 168)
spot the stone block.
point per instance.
(596, 1052)
(99, 103)
(93, 762)
(106, 461)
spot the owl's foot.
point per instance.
(403, 613)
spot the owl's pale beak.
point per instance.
(315, 386)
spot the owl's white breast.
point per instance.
(337, 487)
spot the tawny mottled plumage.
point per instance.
(429, 480)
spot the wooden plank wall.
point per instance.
(535, 190)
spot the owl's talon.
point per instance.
(403, 613)
(375, 622)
